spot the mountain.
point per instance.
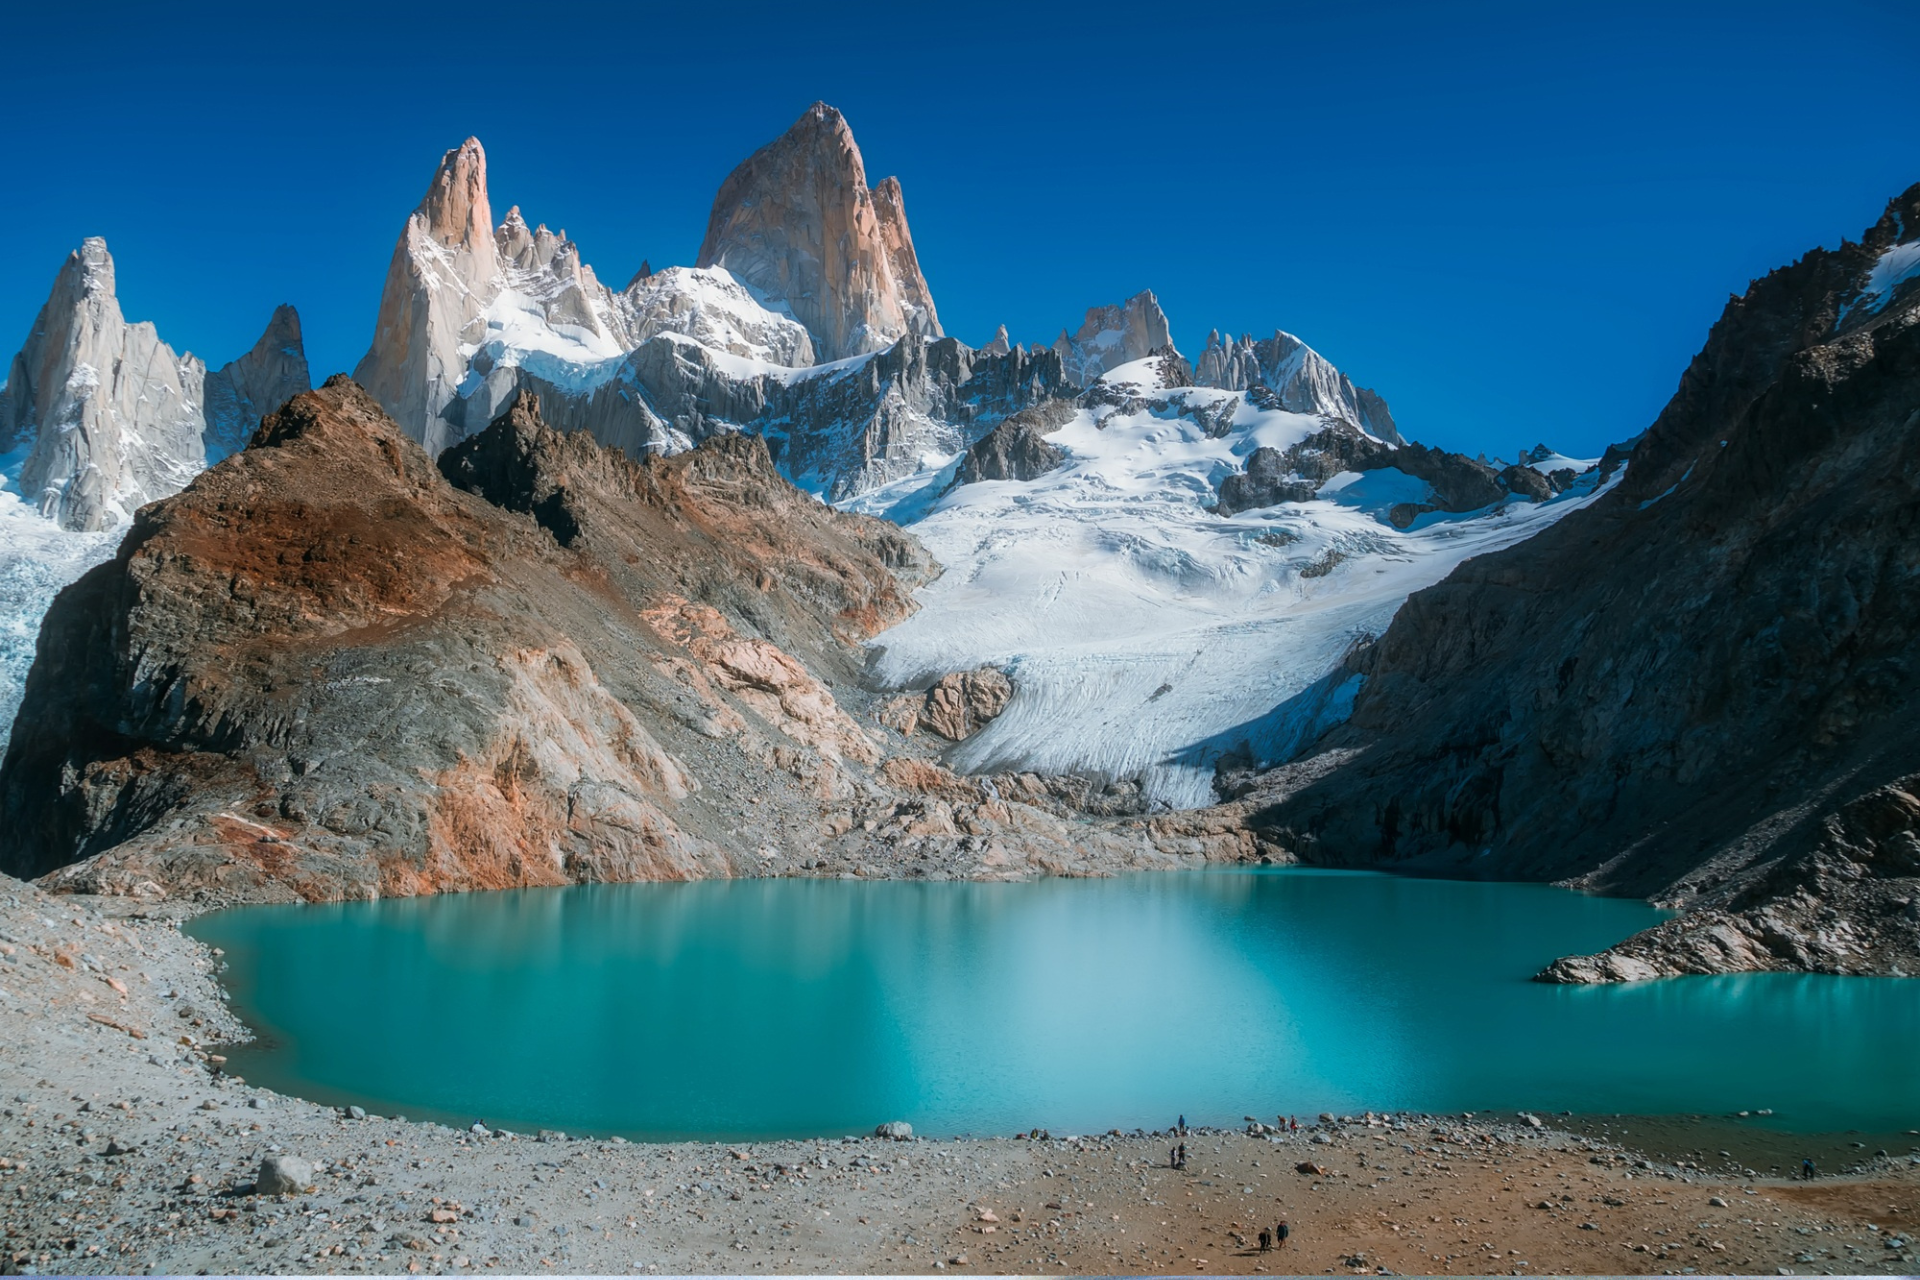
(797, 222)
(111, 416)
(331, 668)
(1700, 687)
(472, 315)
(1298, 375)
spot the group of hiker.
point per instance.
(1269, 1239)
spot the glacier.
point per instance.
(1146, 636)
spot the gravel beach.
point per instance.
(125, 1148)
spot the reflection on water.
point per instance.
(799, 1007)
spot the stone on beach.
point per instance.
(283, 1175)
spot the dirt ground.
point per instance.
(124, 1148)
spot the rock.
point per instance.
(282, 1175)
(1017, 449)
(1311, 1169)
(1718, 1202)
(356, 1113)
(898, 1130)
(962, 702)
(797, 222)
(478, 1130)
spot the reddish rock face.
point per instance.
(798, 223)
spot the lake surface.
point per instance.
(764, 1008)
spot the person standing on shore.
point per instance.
(1281, 1232)
(1183, 1125)
(1806, 1168)
(1266, 1240)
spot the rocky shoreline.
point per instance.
(125, 1148)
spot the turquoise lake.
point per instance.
(764, 1008)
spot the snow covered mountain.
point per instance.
(97, 418)
(1299, 376)
(1147, 635)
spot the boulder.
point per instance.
(282, 1176)
(897, 1130)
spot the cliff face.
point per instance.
(1679, 691)
(797, 222)
(332, 669)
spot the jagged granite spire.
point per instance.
(796, 222)
(437, 285)
(115, 418)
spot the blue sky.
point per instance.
(1514, 221)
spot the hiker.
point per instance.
(1183, 1126)
(1173, 1158)
(1180, 1161)
(1281, 1232)
(1293, 1125)
(1266, 1240)
(1806, 1168)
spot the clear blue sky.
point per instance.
(1516, 222)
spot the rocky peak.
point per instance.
(444, 272)
(1303, 380)
(999, 344)
(455, 211)
(1112, 336)
(266, 377)
(797, 222)
(115, 417)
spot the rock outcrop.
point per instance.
(1456, 483)
(1300, 377)
(1017, 449)
(1687, 689)
(115, 418)
(958, 705)
(797, 222)
(1112, 336)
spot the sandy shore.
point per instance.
(123, 1148)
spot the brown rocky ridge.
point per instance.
(332, 669)
(1699, 689)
